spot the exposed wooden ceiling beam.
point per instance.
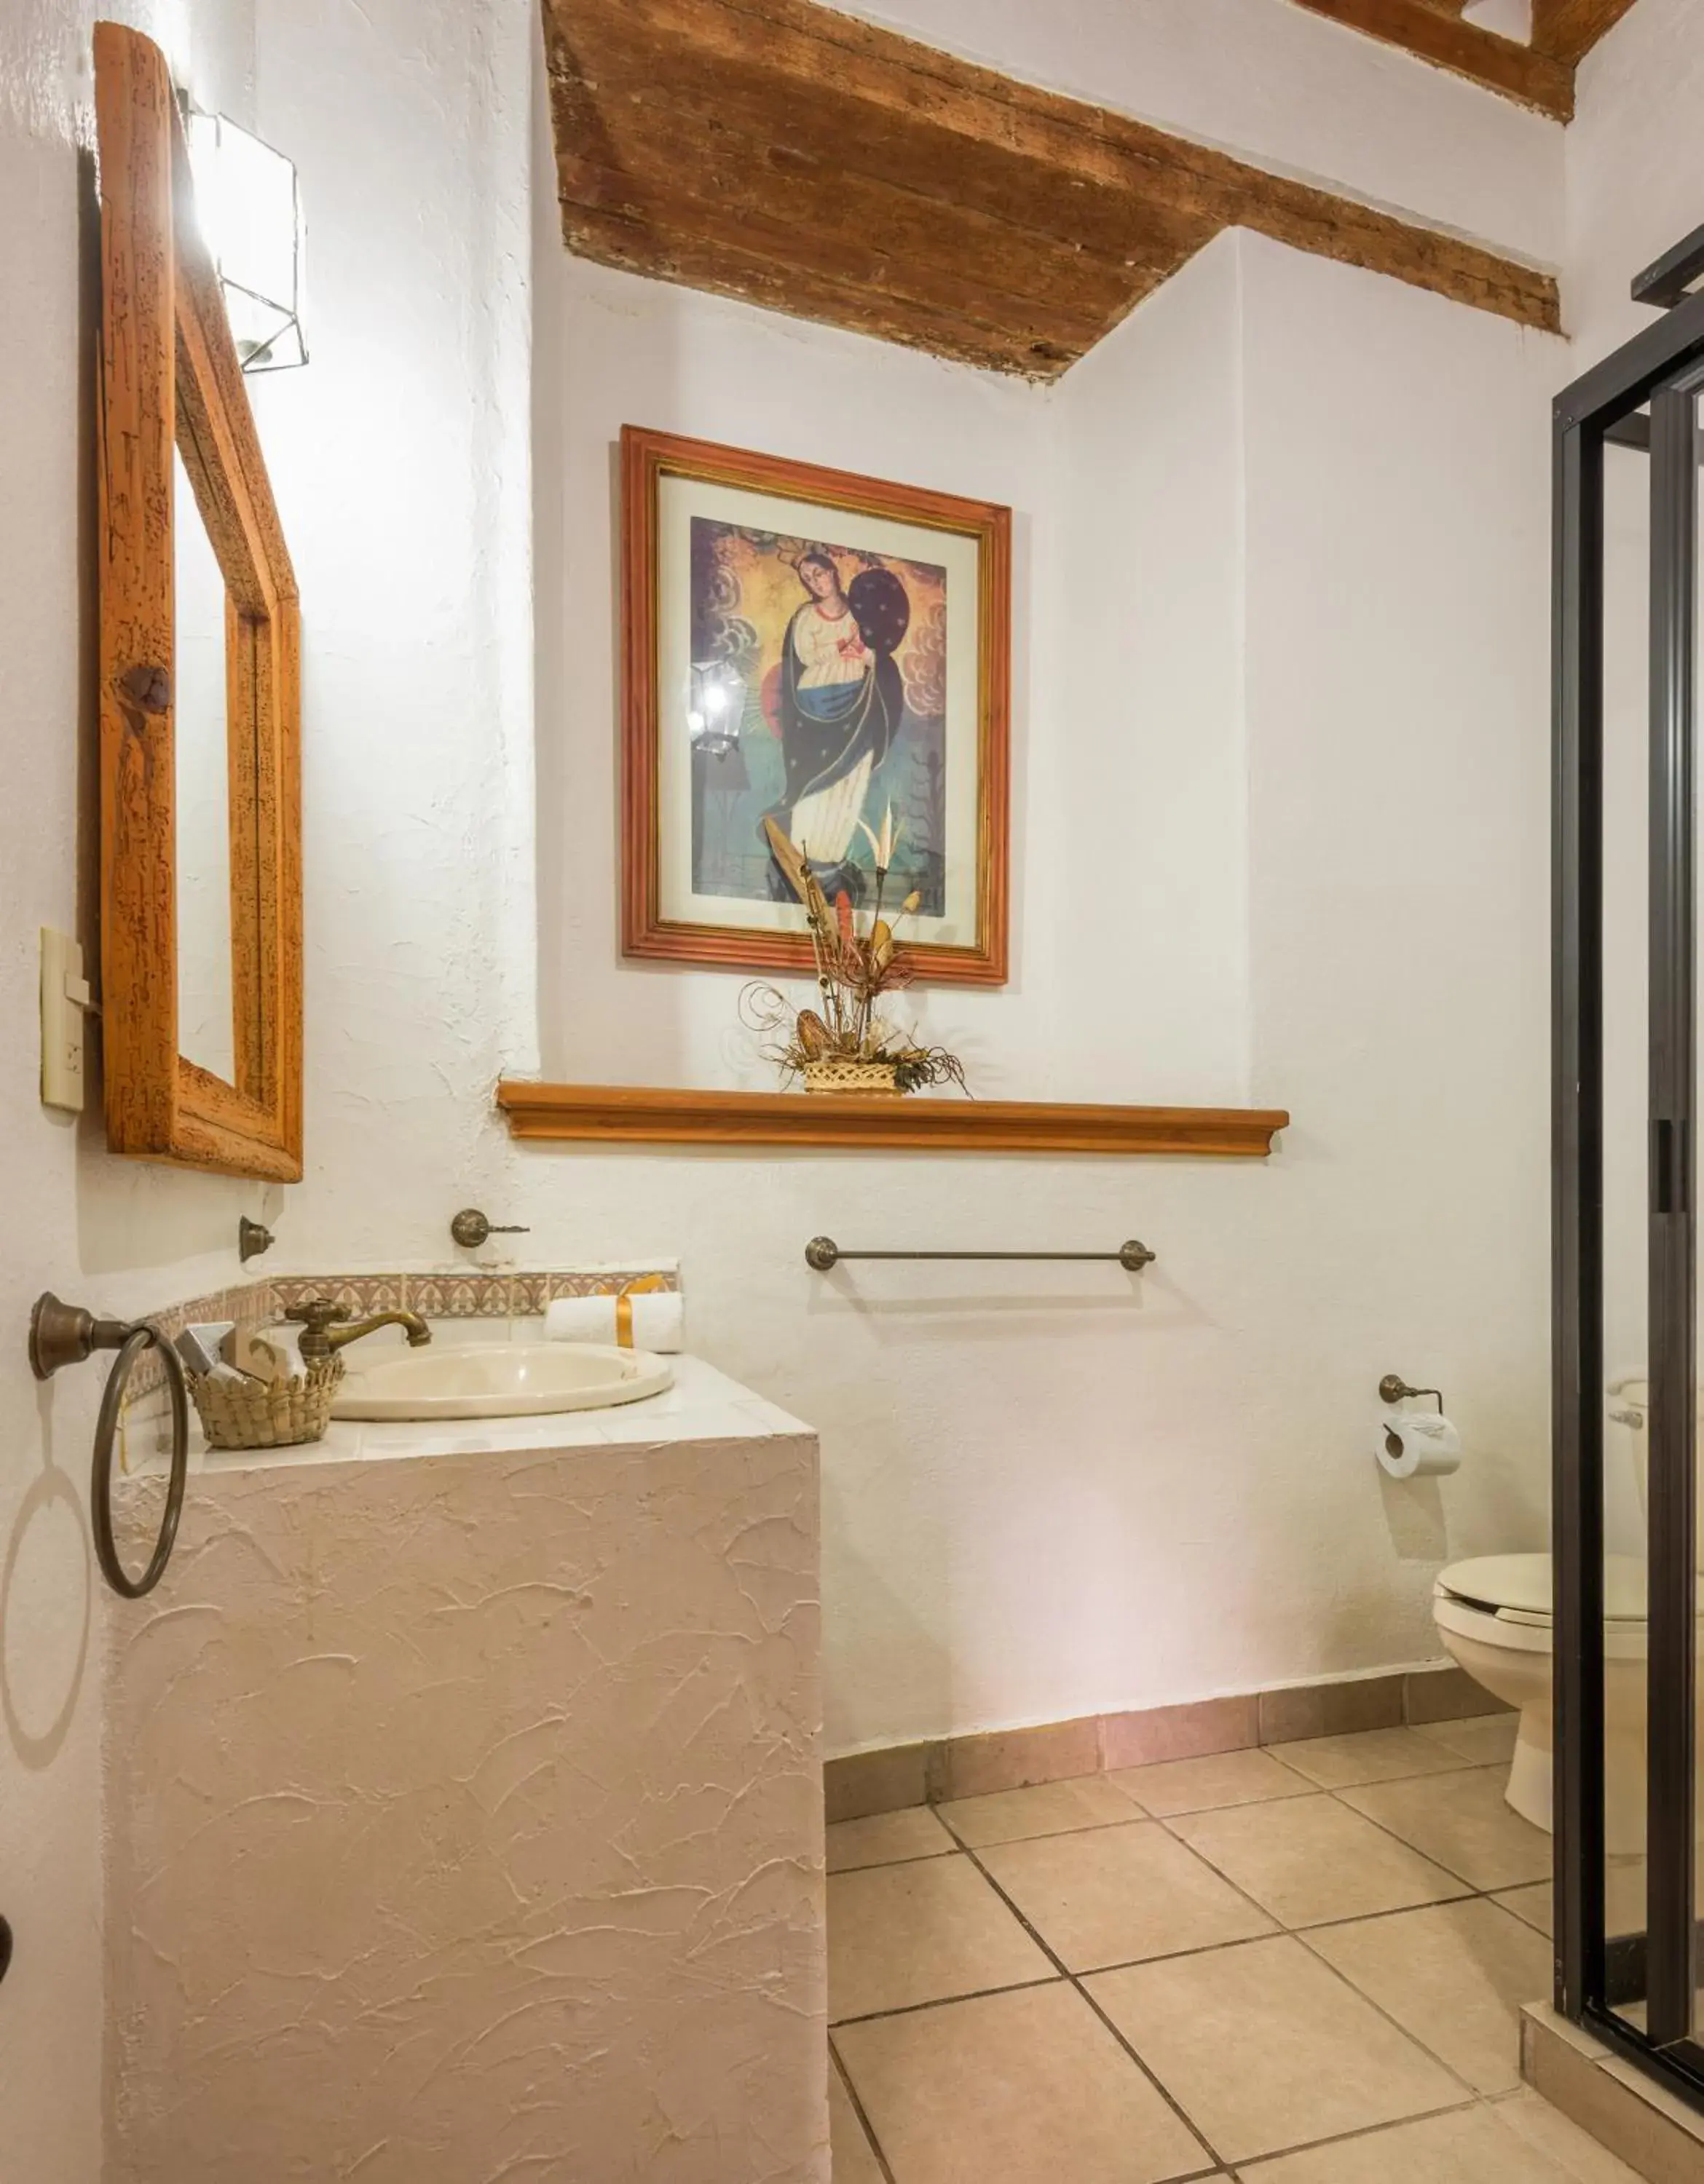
(1567, 30)
(1534, 77)
(927, 201)
(1540, 74)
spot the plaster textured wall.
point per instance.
(1282, 786)
(1147, 789)
(113, 1235)
(1398, 735)
(468, 1826)
(402, 466)
(1634, 166)
(1046, 1494)
(1636, 183)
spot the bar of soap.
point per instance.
(202, 1344)
(255, 1356)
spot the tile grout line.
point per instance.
(1467, 1886)
(1216, 2160)
(1222, 2165)
(881, 1864)
(1455, 1765)
(1348, 1919)
(1463, 1765)
(1468, 1893)
(1251, 2161)
(1471, 2098)
(1494, 1768)
(1474, 2092)
(837, 2065)
(938, 2001)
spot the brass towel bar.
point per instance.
(823, 1253)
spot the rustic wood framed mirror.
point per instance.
(200, 768)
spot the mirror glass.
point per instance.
(205, 1003)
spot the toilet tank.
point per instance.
(1629, 1422)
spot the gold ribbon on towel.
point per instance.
(646, 1285)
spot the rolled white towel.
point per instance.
(647, 1320)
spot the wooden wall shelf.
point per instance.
(617, 1114)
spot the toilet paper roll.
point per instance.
(1417, 1444)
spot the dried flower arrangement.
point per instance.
(847, 1047)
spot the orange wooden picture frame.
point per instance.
(170, 379)
(646, 458)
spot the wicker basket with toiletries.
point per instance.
(257, 1390)
(248, 1414)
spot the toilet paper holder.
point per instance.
(1393, 1388)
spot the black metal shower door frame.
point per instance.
(1664, 368)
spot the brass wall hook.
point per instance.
(252, 1238)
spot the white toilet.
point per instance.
(1494, 1616)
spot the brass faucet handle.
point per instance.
(318, 1314)
(470, 1228)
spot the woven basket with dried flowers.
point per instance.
(845, 1046)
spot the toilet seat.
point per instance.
(1520, 1585)
(1495, 1618)
(1506, 1600)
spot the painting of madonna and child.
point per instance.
(835, 665)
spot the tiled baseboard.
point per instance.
(867, 1782)
(1651, 2129)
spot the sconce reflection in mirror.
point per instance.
(250, 211)
(717, 715)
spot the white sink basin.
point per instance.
(499, 1380)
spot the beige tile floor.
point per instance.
(1301, 1965)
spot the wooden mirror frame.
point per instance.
(164, 337)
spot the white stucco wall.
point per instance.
(1634, 166)
(1635, 187)
(1281, 720)
(113, 1235)
(423, 373)
(1321, 497)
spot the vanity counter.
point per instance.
(465, 1814)
(703, 1404)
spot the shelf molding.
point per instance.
(653, 1115)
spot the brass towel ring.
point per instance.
(63, 1334)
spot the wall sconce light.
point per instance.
(250, 211)
(715, 717)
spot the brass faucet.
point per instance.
(324, 1331)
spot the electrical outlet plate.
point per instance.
(64, 1001)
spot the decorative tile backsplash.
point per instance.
(455, 1294)
(459, 1296)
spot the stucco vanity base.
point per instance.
(465, 1820)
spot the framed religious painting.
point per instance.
(821, 655)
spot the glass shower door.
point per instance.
(1626, 1173)
(1627, 1791)
(1671, 1491)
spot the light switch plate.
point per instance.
(64, 1000)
